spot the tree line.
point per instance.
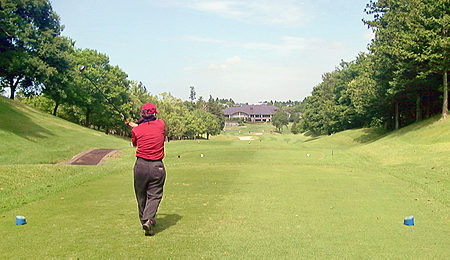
(41, 66)
(401, 80)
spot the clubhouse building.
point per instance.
(253, 113)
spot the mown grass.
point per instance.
(32, 137)
(258, 199)
(32, 144)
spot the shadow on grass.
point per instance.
(371, 135)
(312, 136)
(15, 121)
(417, 125)
(311, 139)
(165, 221)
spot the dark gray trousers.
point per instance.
(149, 177)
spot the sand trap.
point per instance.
(245, 138)
(258, 133)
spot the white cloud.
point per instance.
(284, 12)
(255, 80)
(196, 38)
(337, 44)
(287, 43)
(234, 60)
(230, 62)
(227, 64)
(217, 67)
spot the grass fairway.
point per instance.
(264, 198)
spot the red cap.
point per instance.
(149, 108)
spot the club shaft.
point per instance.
(107, 99)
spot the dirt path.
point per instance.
(91, 157)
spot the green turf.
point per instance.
(32, 144)
(32, 137)
(260, 199)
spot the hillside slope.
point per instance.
(418, 154)
(29, 136)
(32, 143)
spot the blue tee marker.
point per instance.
(409, 221)
(21, 220)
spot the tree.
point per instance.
(197, 123)
(114, 84)
(215, 108)
(213, 125)
(139, 95)
(412, 43)
(192, 94)
(294, 128)
(174, 113)
(329, 108)
(280, 119)
(27, 29)
(110, 80)
(201, 104)
(58, 84)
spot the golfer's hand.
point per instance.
(131, 123)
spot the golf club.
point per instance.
(81, 69)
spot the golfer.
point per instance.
(149, 172)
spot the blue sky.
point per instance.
(249, 51)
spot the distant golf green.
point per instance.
(253, 194)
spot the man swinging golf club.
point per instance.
(149, 172)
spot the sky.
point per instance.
(248, 50)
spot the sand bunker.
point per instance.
(245, 138)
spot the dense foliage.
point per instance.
(280, 119)
(403, 78)
(41, 67)
(32, 51)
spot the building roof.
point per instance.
(251, 110)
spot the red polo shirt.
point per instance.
(149, 139)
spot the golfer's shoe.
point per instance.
(147, 226)
(149, 233)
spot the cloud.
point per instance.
(217, 67)
(282, 12)
(255, 80)
(287, 44)
(228, 64)
(337, 44)
(234, 60)
(196, 38)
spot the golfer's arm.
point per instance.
(133, 139)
